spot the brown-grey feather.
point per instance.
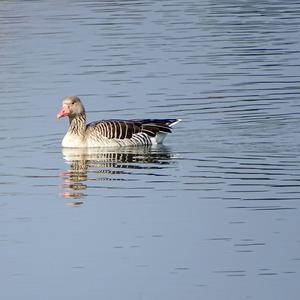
(122, 129)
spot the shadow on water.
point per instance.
(101, 165)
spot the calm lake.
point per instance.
(212, 214)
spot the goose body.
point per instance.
(110, 133)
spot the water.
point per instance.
(213, 214)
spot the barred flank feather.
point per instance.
(125, 129)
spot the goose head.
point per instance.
(71, 107)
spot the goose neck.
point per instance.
(77, 124)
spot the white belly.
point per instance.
(76, 141)
(73, 141)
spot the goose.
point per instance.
(107, 133)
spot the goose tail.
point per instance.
(174, 122)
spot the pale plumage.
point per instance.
(110, 132)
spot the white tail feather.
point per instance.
(176, 122)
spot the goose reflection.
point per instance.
(102, 164)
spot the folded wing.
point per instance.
(125, 129)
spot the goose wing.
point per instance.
(125, 129)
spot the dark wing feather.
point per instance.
(115, 129)
(124, 129)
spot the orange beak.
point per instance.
(65, 111)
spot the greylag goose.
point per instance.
(110, 132)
